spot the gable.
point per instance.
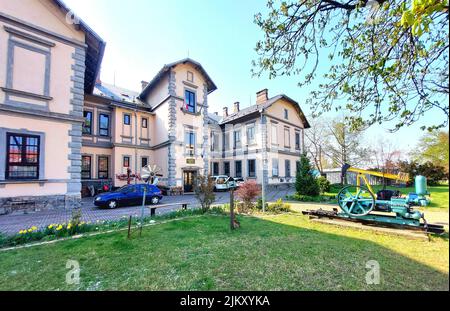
(294, 112)
(44, 14)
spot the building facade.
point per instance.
(261, 142)
(62, 130)
(47, 63)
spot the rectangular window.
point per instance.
(144, 123)
(190, 76)
(189, 101)
(297, 166)
(287, 165)
(103, 124)
(87, 124)
(251, 134)
(103, 166)
(237, 139)
(297, 140)
(286, 114)
(126, 161)
(215, 168)
(144, 161)
(287, 138)
(22, 156)
(251, 168)
(274, 134)
(214, 141)
(126, 119)
(189, 141)
(275, 167)
(227, 141)
(226, 168)
(86, 167)
(238, 169)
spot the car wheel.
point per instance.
(155, 200)
(112, 204)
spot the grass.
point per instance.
(284, 252)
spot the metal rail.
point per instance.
(425, 227)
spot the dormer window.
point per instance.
(189, 101)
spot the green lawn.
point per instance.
(285, 252)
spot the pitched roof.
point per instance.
(118, 94)
(262, 106)
(211, 87)
(94, 53)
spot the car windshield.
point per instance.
(221, 180)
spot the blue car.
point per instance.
(129, 195)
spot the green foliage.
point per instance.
(434, 148)
(279, 207)
(388, 61)
(324, 184)
(259, 204)
(305, 182)
(204, 191)
(308, 198)
(434, 174)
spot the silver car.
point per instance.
(224, 183)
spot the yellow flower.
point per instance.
(59, 227)
(34, 228)
(30, 230)
(51, 226)
(22, 231)
(69, 226)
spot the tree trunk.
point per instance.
(234, 224)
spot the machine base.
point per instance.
(379, 220)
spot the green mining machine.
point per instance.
(386, 208)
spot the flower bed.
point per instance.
(56, 231)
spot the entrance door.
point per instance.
(188, 178)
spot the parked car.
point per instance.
(239, 181)
(129, 195)
(223, 182)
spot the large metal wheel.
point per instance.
(356, 200)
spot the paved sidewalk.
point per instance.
(13, 223)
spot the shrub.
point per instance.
(279, 206)
(324, 184)
(433, 173)
(204, 191)
(259, 204)
(305, 182)
(248, 192)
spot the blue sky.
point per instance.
(144, 35)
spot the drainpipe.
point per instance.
(264, 159)
(135, 143)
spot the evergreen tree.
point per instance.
(305, 182)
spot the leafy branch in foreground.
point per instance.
(388, 60)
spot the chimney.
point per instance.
(225, 112)
(216, 113)
(236, 107)
(144, 84)
(262, 96)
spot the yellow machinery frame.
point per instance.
(361, 175)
